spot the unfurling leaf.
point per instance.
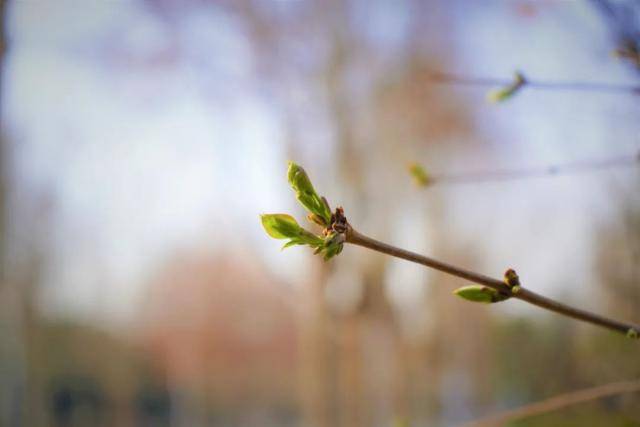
(479, 293)
(503, 94)
(307, 196)
(280, 226)
(289, 244)
(283, 226)
(420, 175)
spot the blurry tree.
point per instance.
(357, 101)
(12, 369)
(617, 255)
(618, 260)
(3, 154)
(381, 111)
(617, 269)
(24, 234)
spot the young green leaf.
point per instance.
(306, 194)
(503, 94)
(280, 226)
(283, 226)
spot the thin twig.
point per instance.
(557, 402)
(552, 170)
(631, 330)
(454, 79)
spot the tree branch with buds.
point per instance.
(506, 89)
(337, 231)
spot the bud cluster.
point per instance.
(283, 226)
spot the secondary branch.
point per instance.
(558, 402)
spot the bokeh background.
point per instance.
(142, 139)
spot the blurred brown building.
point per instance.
(222, 336)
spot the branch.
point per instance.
(557, 402)
(337, 231)
(426, 179)
(454, 79)
(631, 330)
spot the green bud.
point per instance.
(475, 293)
(420, 175)
(306, 194)
(299, 179)
(283, 226)
(633, 334)
(479, 293)
(503, 94)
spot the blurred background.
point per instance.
(142, 139)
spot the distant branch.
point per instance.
(459, 80)
(557, 402)
(426, 179)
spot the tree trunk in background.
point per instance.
(314, 372)
(19, 401)
(361, 321)
(13, 387)
(348, 329)
(3, 154)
